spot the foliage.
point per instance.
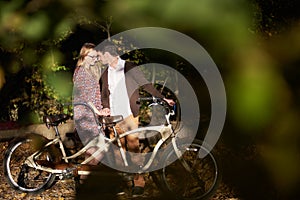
(255, 44)
(39, 96)
(31, 40)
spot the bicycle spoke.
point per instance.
(20, 175)
(191, 176)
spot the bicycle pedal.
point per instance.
(69, 173)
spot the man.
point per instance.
(120, 84)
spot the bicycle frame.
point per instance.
(50, 159)
(103, 143)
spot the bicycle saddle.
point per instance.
(110, 119)
(54, 120)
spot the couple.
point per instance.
(112, 93)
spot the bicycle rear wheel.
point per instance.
(197, 183)
(19, 175)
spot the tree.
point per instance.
(33, 53)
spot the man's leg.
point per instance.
(131, 123)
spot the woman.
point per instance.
(87, 90)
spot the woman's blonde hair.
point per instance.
(85, 49)
(94, 69)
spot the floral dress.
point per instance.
(86, 89)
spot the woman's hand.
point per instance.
(104, 112)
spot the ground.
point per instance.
(65, 189)
(243, 177)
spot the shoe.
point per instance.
(137, 191)
(126, 176)
(119, 191)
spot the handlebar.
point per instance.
(160, 101)
(88, 105)
(153, 100)
(170, 110)
(150, 99)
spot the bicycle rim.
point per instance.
(21, 176)
(200, 182)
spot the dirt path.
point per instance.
(65, 189)
(62, 190)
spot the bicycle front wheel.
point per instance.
(190, 176)
(19, 175)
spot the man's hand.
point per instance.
(170, 101)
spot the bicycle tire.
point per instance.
(179, 183)
(19, 175)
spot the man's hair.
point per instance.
(110, 49)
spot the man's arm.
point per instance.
(137, 75)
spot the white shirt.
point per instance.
(118, 98)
